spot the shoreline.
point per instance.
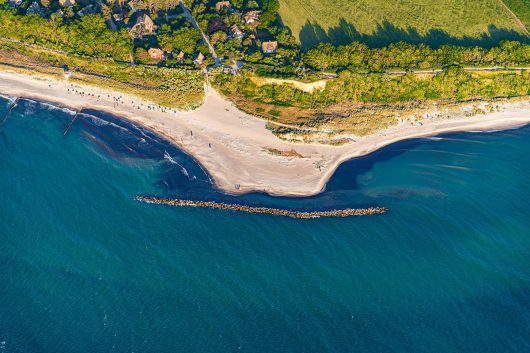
(234, 148)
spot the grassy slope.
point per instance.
(458, 18)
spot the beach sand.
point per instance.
(233, 146)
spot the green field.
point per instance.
(380, 22)
(521, 8)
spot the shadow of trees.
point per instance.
(312, 34)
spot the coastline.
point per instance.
(234, 147)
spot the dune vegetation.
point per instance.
(171, 87)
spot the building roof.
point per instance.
(199, 59)
(15, 2)
(252, 16)
(118, 16)
(222, 5)
(35, 8)
(86, 10)
(67, 3)
(144, 26)
(156, 53)
(235, 31)
(269, 47)
(145, 19)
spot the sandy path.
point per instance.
(302, 86)
(231, 144)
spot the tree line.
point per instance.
(358, 57)
(88, 35)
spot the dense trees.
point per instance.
(270, 10)
(86, 36)
(359, 57)
(155, 5)
(185, 38)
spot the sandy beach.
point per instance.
(234, 147)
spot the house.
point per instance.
(156, 54)
(67, 3)
(235, 32)
(222, 5)
(144, 26)
(251, 17)
(15, 3)
(199, 58)
(180, 57)
(118, 17)
(87, 10)
(36, 9)
(269, 47)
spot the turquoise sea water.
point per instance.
(85, 268)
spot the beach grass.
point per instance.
(177, 88)
(361, 105)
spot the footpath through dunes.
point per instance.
(347, 212)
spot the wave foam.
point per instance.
(102, 122)
(9, 98)
(170, 159)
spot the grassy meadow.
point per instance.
(380, 22)
(521, 8)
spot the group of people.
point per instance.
(119, 101)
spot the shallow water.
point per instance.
(85, 268)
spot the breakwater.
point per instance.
(348, 212)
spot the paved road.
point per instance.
(205, 39)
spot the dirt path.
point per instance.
(302, 86)
(515, 18)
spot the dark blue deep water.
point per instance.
(85, 268)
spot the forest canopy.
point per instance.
(88, 35)
(359, 57)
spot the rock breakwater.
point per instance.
(348, 212)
